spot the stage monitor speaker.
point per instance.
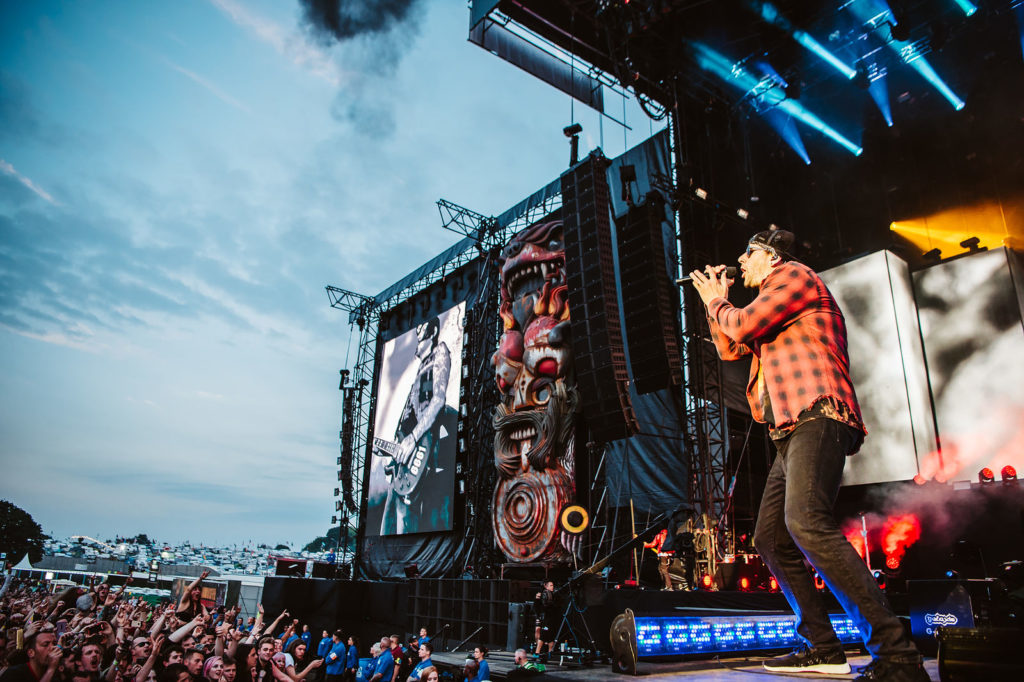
(322, 569)
(650, 299)
(599, 357)
(290, 567)
(951, 604)
(968, 654)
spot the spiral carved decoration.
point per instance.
(526, 511)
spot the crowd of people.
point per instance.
(99, 633)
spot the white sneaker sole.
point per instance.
(824, 668)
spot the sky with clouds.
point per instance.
(178, 184)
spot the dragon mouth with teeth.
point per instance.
(524, 276)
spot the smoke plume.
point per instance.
(342, 20)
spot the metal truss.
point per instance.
(705, 414)
(363, 317)
(468, 223)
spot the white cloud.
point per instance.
(289, 43)
(8, 169)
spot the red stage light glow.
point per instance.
(854, 537)
(744, 583)
(773, 584)
(899, 533)
(1008, 473)
(986, 476)
(707, 581)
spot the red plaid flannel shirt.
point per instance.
(797, 336)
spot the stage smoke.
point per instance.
(338, 20)
(898, 533)
(854, 537)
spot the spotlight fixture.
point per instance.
(573, 133)
(773, 584)
(743, 213)
(986, 476)
(880, 578)
(337, 505)
(899, 26)
(337, 492)
(967, 6)
(707, 581)
(861, 79)
(744, 584)
(334, 520)
(793, 89)
(953, 574)
(972, 245)
(892, 562)
(1008, 473)
(935, 255)
(700, 193)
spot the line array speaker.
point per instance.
(599, 358)
(650, 300)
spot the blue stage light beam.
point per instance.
(967, 6)
(710, 60)
(879, 16)
(879, 92)
(921, 65)
(817, 48)
(787, 130)
(773, 16)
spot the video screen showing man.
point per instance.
(412, 472)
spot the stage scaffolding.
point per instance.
(483, 238)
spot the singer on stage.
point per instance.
(800, 386)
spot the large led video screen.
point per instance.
(887, 367)
(412, 468)
(970, 310)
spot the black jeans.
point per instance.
(796, 522)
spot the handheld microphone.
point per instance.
(730, 272)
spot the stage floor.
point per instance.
(739, 669)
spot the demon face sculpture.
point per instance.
(533, 442)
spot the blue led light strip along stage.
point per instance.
(671, 635)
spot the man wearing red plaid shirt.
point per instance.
(800, 386)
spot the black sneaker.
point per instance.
(807, 660)
(881, 670)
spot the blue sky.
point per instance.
(178, 183)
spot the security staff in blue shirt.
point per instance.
(324, 647)
(335, 659)
(352, 657)
(385, 668)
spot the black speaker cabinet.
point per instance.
(990, 654)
